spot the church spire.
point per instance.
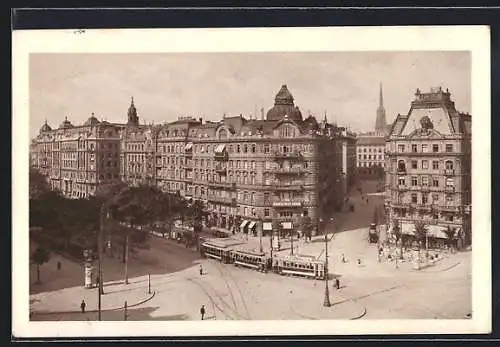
(381, 98)
(133, 119)
(380, 123)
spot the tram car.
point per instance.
(219, 249)
(300, 265)
(372, 233)
(252, 259)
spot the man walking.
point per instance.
(201, 270)
(337, 283)
(202, 311)
(82, 306)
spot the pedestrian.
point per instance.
(337, 283)
(366, 199)
(202, 311)
(58, 265)
(97, 280)
(201, 270)
(359, 261)
(343, 258)
(82, 306)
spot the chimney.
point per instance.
(262, 113)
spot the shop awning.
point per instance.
(432, 230)
(267, 226)
(189, 146)
(251, 225)
(243, 224)
(287, 225)
(220, 148)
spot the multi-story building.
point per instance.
(250, 173)
(429, 166)
(76, 159)
(370, 146)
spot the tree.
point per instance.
(306, 226)
(420, 235)
(39, 257)
(450, 236)
(398, 233)
(38, 185)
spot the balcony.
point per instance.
(285, 203)
(220, 170)
(222, 200)
(287, 155)
(287, 187)
(287, 170)
(449, 172)
(449, 189)
(221, 156)
(219, 184)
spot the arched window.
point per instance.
(401, 166)
(449, 165)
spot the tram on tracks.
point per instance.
(233, 251)
(252, 259)
(300, 265)
(219, 249)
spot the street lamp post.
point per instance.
(100, 290)
(326, 301)
(149, 283)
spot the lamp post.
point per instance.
(326, 301)
(149, 283)
(100, 290)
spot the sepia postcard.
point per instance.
(251, 182)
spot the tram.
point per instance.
(219, 249)
(250, 259)
(300, 265)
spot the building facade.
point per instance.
(76, 159)
(370, 147)
(250, 173)
(429, 167)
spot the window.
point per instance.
(414, 181)
(253, 148)
(238, 149)
(401, 166)
(414, 198)
(449, 148)
(449, 199)
(435, 182)
(414, 148)
(449, 217)
(364, 156)
(245, 149)
(424, 148)
(266, 212)
(401, 148)
(425, 181)
(266, 148)
(360, 156)
(435, 198)
(449, 165)
(414, 164)
(425, 164)
(450, 182)
(424, 199)
(435, 165)
(401, 181)
(435, 148)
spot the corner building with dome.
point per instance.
(250, 173)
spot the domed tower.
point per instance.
(92, 121)
(283, 105)
(66, 124)
(45, 128)
(133, 119)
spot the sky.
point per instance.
(165, 86)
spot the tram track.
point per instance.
(225, 275)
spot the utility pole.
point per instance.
(260, 241)
(99, 252)
(326, 301)
(291, 242)
(149, 283)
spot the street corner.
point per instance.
(339, 309)
(70, 300)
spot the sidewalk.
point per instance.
(115, 294)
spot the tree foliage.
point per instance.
(39, 257)
(420, 231)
